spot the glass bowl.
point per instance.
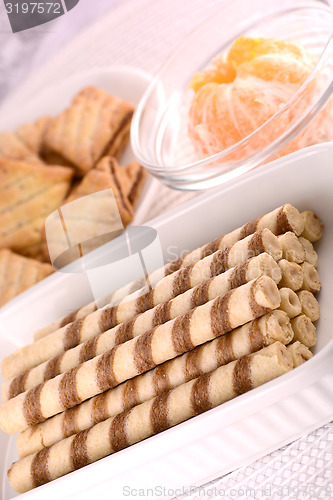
(159, 133)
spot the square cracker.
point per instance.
(11, 146)
(95, 124)
(32, 134)
(105, 175)
(19, 273)
(93, 221)
(28, 194)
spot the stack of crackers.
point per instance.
(217, 322)
(53, 161)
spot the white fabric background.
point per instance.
(21, 53)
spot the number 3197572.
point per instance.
(33, 7)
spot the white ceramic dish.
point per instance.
(243, 429)
(124, 81)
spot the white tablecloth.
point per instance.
(143, 33)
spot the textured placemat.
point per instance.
(143, 33)
(302, 469)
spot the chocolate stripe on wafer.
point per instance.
(104, 371)
(69, 424)
(156, 415)
(159, 413)
(39, 468)
(117, 435)
(31, 407)
(181, 333)
(130, 396)
(143, 354)
(242, 376)
(200, 397)
(79, 450)
(249, 228)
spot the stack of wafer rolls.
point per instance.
(282, 219)
(151, 417)
(170, 286)
(263, 264)
(206, 328)
(141, 354)
(251, 337)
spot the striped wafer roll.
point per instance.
(140, 354)
(292, 248)
(290, 303)
(299, 353)
(304, 330)
(292, 275)
(263, 264)
(69, 318)
(311, 255)
(85, 310)
(244, 340)
(151, 417)
(313, 226)
(101, 320)
(309, 304)
(311, 280)
(280, 220)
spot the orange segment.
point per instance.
(242, 50)
(219, 72)
(246, 49)
(276, 67)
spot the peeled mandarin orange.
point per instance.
(234, 97)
